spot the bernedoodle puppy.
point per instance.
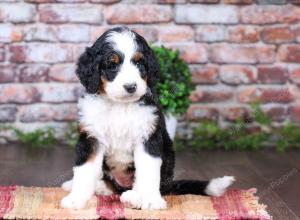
(123, 145)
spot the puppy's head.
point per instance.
(120, 65)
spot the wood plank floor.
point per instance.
(275, 175)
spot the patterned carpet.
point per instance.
(17, 202)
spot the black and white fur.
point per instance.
(124, 146)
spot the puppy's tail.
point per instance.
(214, 187)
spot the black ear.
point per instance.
(88, 72)
(153, 68)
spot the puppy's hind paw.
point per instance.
(217, 186)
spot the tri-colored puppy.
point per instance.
(124, 146)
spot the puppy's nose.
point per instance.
(130, 87)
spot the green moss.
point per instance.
(209, 135)
(37, 138)
(71, 134)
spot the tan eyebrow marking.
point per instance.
(137, 56)
(115, 58)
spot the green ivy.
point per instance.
(72, 134)
(175, 83)
(209, 135)
(36, 138)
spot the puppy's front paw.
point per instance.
(133, 199)
(73, 202)
(153, 202)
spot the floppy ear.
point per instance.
(153, 68)
(88, 72)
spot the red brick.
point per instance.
(290, 14)
(248, 95)
(58, 92)
(46, 113)
(18, 93)
(72, 1)
(295, 76)
(199, 112)
(171, 1)
(141, 14)
(37, 112)
(206, 14)
(272, 74)
(243, 34)
(294, 112)
(210, 33)
(255, 14)
(296, 2)
(226, 53)
(63, 73)
(40, 1)
(149, 33)
(219, 94)
(237, 74)
(242, 2)
(175, 33)
(265, 95)
(78, 49)
(205, 1)
(270, 14)
(297, 34)
(234, 113)
(8, 73)
(205, 74)
(2, 54)
(192, 52)
(77, 13)
(17, 12)
(40, 32)
(33, 73)
(8, 113)
(282, 95)
(277, 35)
(105, 1)
(10, 33)
(276, 113)
(272, 2)
(96, 32)
(41, 52)
(72, 33)
(289, 53)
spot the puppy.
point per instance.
(124, 146)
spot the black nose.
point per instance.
(130, 87)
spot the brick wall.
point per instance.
(238, 51)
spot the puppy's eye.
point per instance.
(110, 65)
(140, 63)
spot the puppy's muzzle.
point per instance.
(130, 87)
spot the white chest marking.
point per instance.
(117, 126)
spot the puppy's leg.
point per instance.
(67, 186)
(145, 193)
(84, 182)
(102, 188)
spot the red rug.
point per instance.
(17, 202)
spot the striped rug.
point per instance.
(17, 202)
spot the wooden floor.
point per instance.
(275, 175)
